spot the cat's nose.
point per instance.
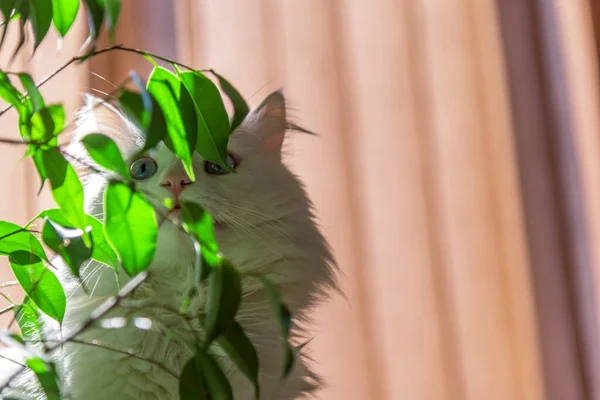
(176, 183)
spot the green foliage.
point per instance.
(64, 12)
(101, 250)
(67, 190)
(178, 107)
(202, 378)
(46, 374)
(185, 111)
(41, 14)
(47, 123)
(240, 106)
(67, 243)
(242, 352)
(143, 109)
(213, 121)
(223, 299)
(105, 152)
(130, 226)
(37, 101)
(199, 224)
(284, 318)
(27, 318)
(14, 238)
(39, 283)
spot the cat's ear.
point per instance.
(268, 121)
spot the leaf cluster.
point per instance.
(185, 111)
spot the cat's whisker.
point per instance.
(267, 222)
(81, 281)
(107, 95)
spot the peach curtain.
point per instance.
(417, 175)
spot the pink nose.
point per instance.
(176, 182)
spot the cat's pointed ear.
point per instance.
(268, 121)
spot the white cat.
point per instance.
(263, 223)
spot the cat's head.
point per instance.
(262, 214)
(261, 189)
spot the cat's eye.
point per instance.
(143, 168)
(215, 169)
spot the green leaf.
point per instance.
(46, 374)
(95, 13)
(223, 297)
(130, 227)
(39, 166)
(14, 238)
(240, 106)
(197, 222)
(68, 243)
(217, 385)
(213, 121)
(202, 378)
(9, 93)
(178, 108)
(143, 110)
(134, 108)
(112, 9)
(66, 187)
(6, 8)
(14, 17)
(40, 18)
(27, 317)
(105, 152)
(32, 91)
(24, 13)
(101, 250)
(191, 382)
(47, 123)
(284, 319)
(64, 14)
(242, 352)
(39, 283)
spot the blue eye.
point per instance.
(143, 168)
(215, 169)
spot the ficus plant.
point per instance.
(180, 107)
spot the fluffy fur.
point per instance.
(264, 225)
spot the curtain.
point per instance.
(432, 176)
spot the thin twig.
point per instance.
(104, 308)
(12, 141)
(8, 284)
(13, 361)
(116, 350)
(96, 53)
(7, 309)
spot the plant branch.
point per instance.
(23, 366)
(116, 350)
(7, 309)
(119, 47)
(8, 284)
(104, 308)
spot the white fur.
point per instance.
(265, 226)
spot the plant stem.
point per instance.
(104, 308)
(119, 47)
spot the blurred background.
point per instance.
(456, 174)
